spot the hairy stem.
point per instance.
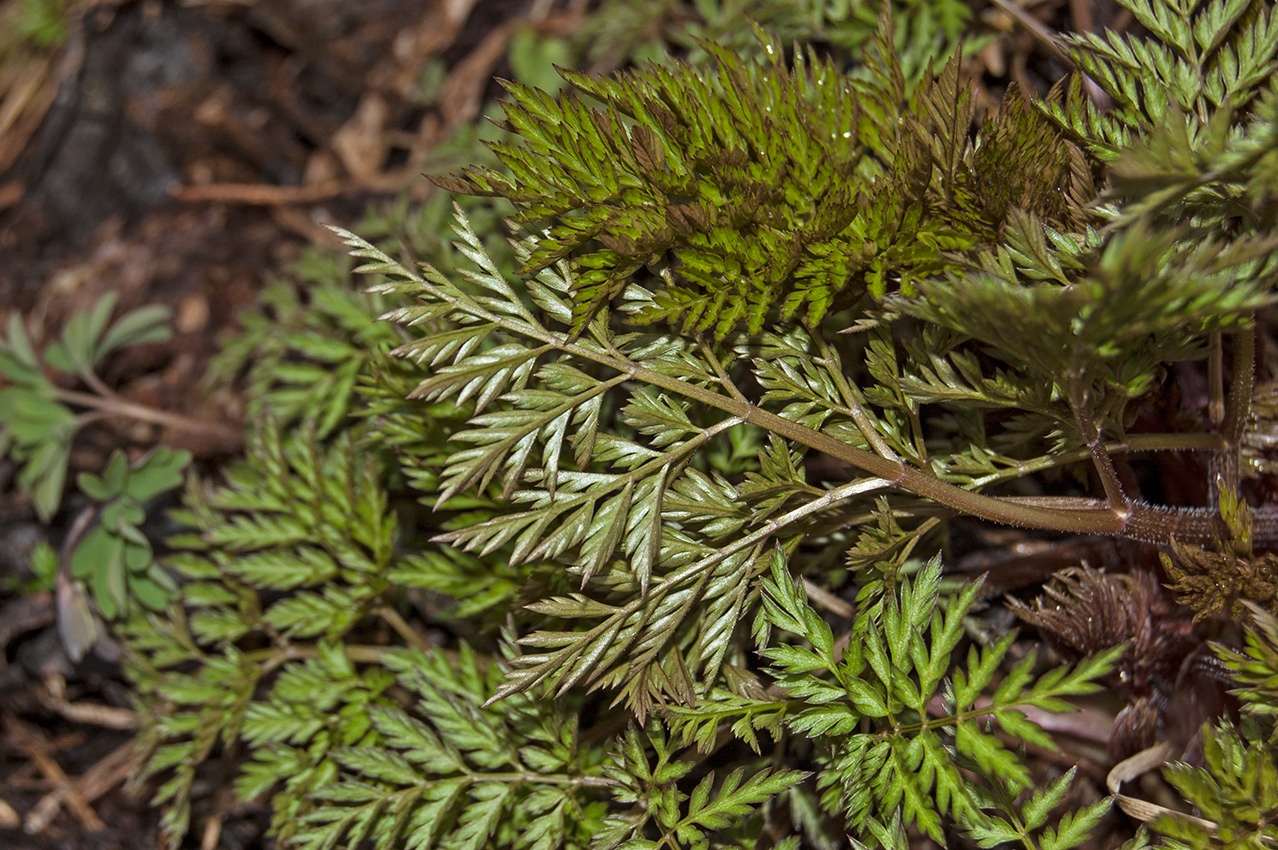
(1140, 521)
(1101, 460)
(1182, 442)
(1223, 471)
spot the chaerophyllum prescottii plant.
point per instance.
(632, 542)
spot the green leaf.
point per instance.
(115, 472)
(735, 798)
(1036, 809)
(867, 699)
(55, 354)
(44, 475)
(94, 487)
(159, 472)
(149, 593)
(83, 332)
(137, 327)
(19, 344)
(1076, 826)
(994, 832)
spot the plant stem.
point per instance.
(1223, 472)
(1183, 442)
(544, 779)
(1149, 523)
(113, 405)
(400, 625)
(1099, 519)
(274, 657)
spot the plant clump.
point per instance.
(627, 538)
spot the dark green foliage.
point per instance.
(1114, 313)
(638, 30)
(894, 738)
(447, 772)
(1256, 668)
(1204, 65)
(1023, 826)
(296, 546)
(537, 566)
(592, 516)
(305, 349)
(296, 517)
(681, 819)
(1236, 790)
